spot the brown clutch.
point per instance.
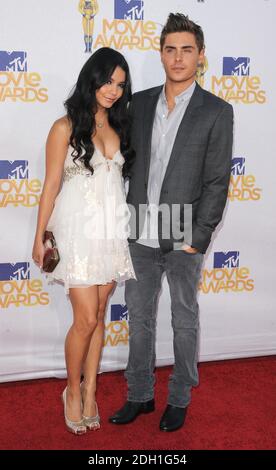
(51, 255)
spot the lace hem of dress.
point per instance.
(77, 283)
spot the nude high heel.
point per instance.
(92, 422)
(75, 427)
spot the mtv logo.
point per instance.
(119, 312)
(230, 259)
(129, 10)
(11, 170)
(14, 271)
(236, 66)
(15, 61)
(238, 166)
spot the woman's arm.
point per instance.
(96, 8)
(56, 151)
(81, 6)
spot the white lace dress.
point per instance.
(90, 224)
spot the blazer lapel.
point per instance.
(149, 114)
(185, 128)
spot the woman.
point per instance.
(86, 153)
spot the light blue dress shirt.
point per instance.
(164, 132)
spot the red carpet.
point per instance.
(234, 407)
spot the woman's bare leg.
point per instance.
(85, 303)
(95, 348)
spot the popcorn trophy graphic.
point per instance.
(88, 10)
(201, 70)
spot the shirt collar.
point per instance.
(184, 96)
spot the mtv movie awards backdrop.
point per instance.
(43, 47)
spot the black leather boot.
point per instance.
(173, 418)
(130, 411)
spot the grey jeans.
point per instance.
(183, 274)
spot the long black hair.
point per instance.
(81, 107)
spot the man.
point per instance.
(182, 136)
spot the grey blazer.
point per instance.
(199, 167)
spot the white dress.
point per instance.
(90, 224)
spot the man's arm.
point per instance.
(131, 106)
(216, 176)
